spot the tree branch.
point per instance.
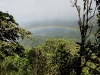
(78, 10)
(92, 15)
(89, 32)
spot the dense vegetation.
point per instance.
(56, 56)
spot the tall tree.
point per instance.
(85, 29)
(98, 21)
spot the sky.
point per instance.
(25, 11)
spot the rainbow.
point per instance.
(32, 28)
(51, 26)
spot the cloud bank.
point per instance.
(38, 10)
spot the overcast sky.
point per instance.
(39, 10)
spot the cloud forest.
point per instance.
(52, 47)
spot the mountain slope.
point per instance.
(51, 29)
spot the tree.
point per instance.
(14, 65)
(10, 33)
(54, 57)
(98, 22)
(60, 55)
(37, 61)
(85, 30)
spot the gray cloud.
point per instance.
(37, 10)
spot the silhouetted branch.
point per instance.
(88, 10)
(96, 35)
(78, 9)
(93, 14)
(89, 32)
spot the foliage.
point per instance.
(60, 54)
(10, 32)
(9, 29)
(55, 56)
(37, 61)
(14, 65)
(89, 51)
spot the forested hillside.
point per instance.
(50, 50)
(44, 34)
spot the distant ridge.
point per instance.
(51, 29)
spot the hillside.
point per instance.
(51, 29)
